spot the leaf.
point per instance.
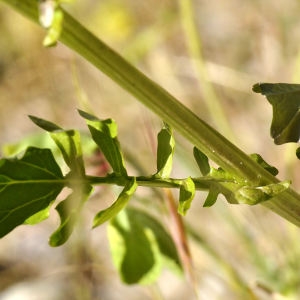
(202, 161)
(118, 205)
(205, 169)
(39, 216)
(27, 186)
(211, 197)
(254, 195)
(140, 247)
(222, 182)
(285, 99)
(44, 124)
(69, 211)
(186, 195)
(105, 133)
(165, 151)
(256, 157)
(68, 142)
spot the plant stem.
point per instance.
(199, 133)
(202, 183)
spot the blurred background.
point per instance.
(208, 55)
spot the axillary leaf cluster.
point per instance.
(29, 185)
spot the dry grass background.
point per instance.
(243, 42)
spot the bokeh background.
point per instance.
(211, 70)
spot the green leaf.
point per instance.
(105, 133)
(27, 186)
(202, 161)
(118, 205)
(68, 142)
(285, 99)
(44, 124)
(256, 157)
(39, 216)
(211, 197)
(165, 151)
(222, 183)
(254, 195)
(186, 195)
(140, 247)
(69, 212)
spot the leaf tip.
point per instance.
(87, 116)
(44, 124)
(256, 88)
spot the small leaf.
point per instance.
(118, 205)
(256, 157)
(44, 124)
(69, 212)
(27, 186)
(165, 151)
(186, 195)
(140, 247)
(202, 161)
(274, 189)
(211, 197)
(105, 133)
(254, 195)
(39, 216)
(285, 99)
(221, 174)
(68, 142)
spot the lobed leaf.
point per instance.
(104, 133)
(69, 211)
(27, 186)
(44, 124)
(165, 151)
(212, 197)
(68, 142)
(118, 205)
(254, 195)
(202, 161)
(39, 216)
(258, 158)
(186, 195)
(285, 99)
(140, 247)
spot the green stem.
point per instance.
(202, 183)
(200, 134)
